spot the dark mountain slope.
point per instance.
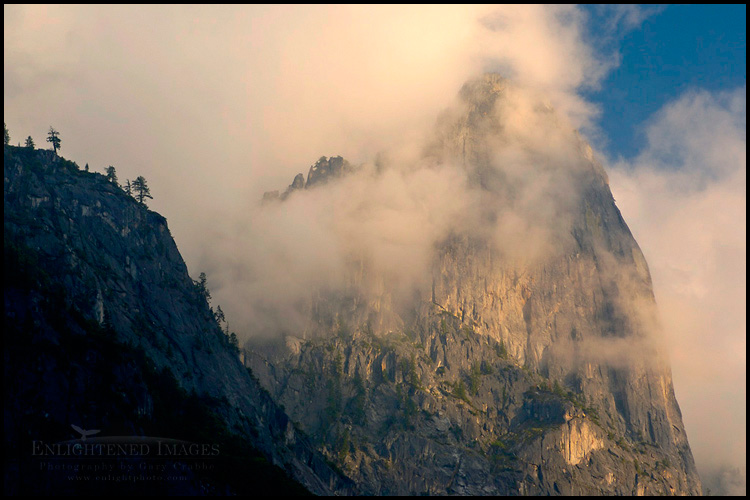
(105, 330)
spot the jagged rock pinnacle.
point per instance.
(483, 91)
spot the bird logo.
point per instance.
(84, 433)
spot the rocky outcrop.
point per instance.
(325, 169)
(532, 372)
(319, 174)
(104, 261)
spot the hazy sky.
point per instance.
(215, 105)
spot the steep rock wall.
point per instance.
(585, 402)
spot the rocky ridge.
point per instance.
(320, 173)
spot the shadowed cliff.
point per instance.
(105, 330)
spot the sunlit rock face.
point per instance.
(530, 365)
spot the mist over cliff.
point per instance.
(237, 100)
(501, 232)
(510, 174)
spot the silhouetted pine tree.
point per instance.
(112, 175)
(53, 137)
(201, 288)
(140, 189)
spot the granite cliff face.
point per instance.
(531, 371)
(104, 329)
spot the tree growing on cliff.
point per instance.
(219, 315)
(29, 142)
(140, 189)
(201, 288)
(6, 138)
(234, 343)
(53, 137)
(128, 188)
(112, 175)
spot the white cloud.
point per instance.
(233, 100)
(684, 199)
(214, 105)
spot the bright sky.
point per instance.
(214, 105)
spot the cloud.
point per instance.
(215, 105)
(684, 198)
(514, 181)
(234, 100)
(371, 231)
